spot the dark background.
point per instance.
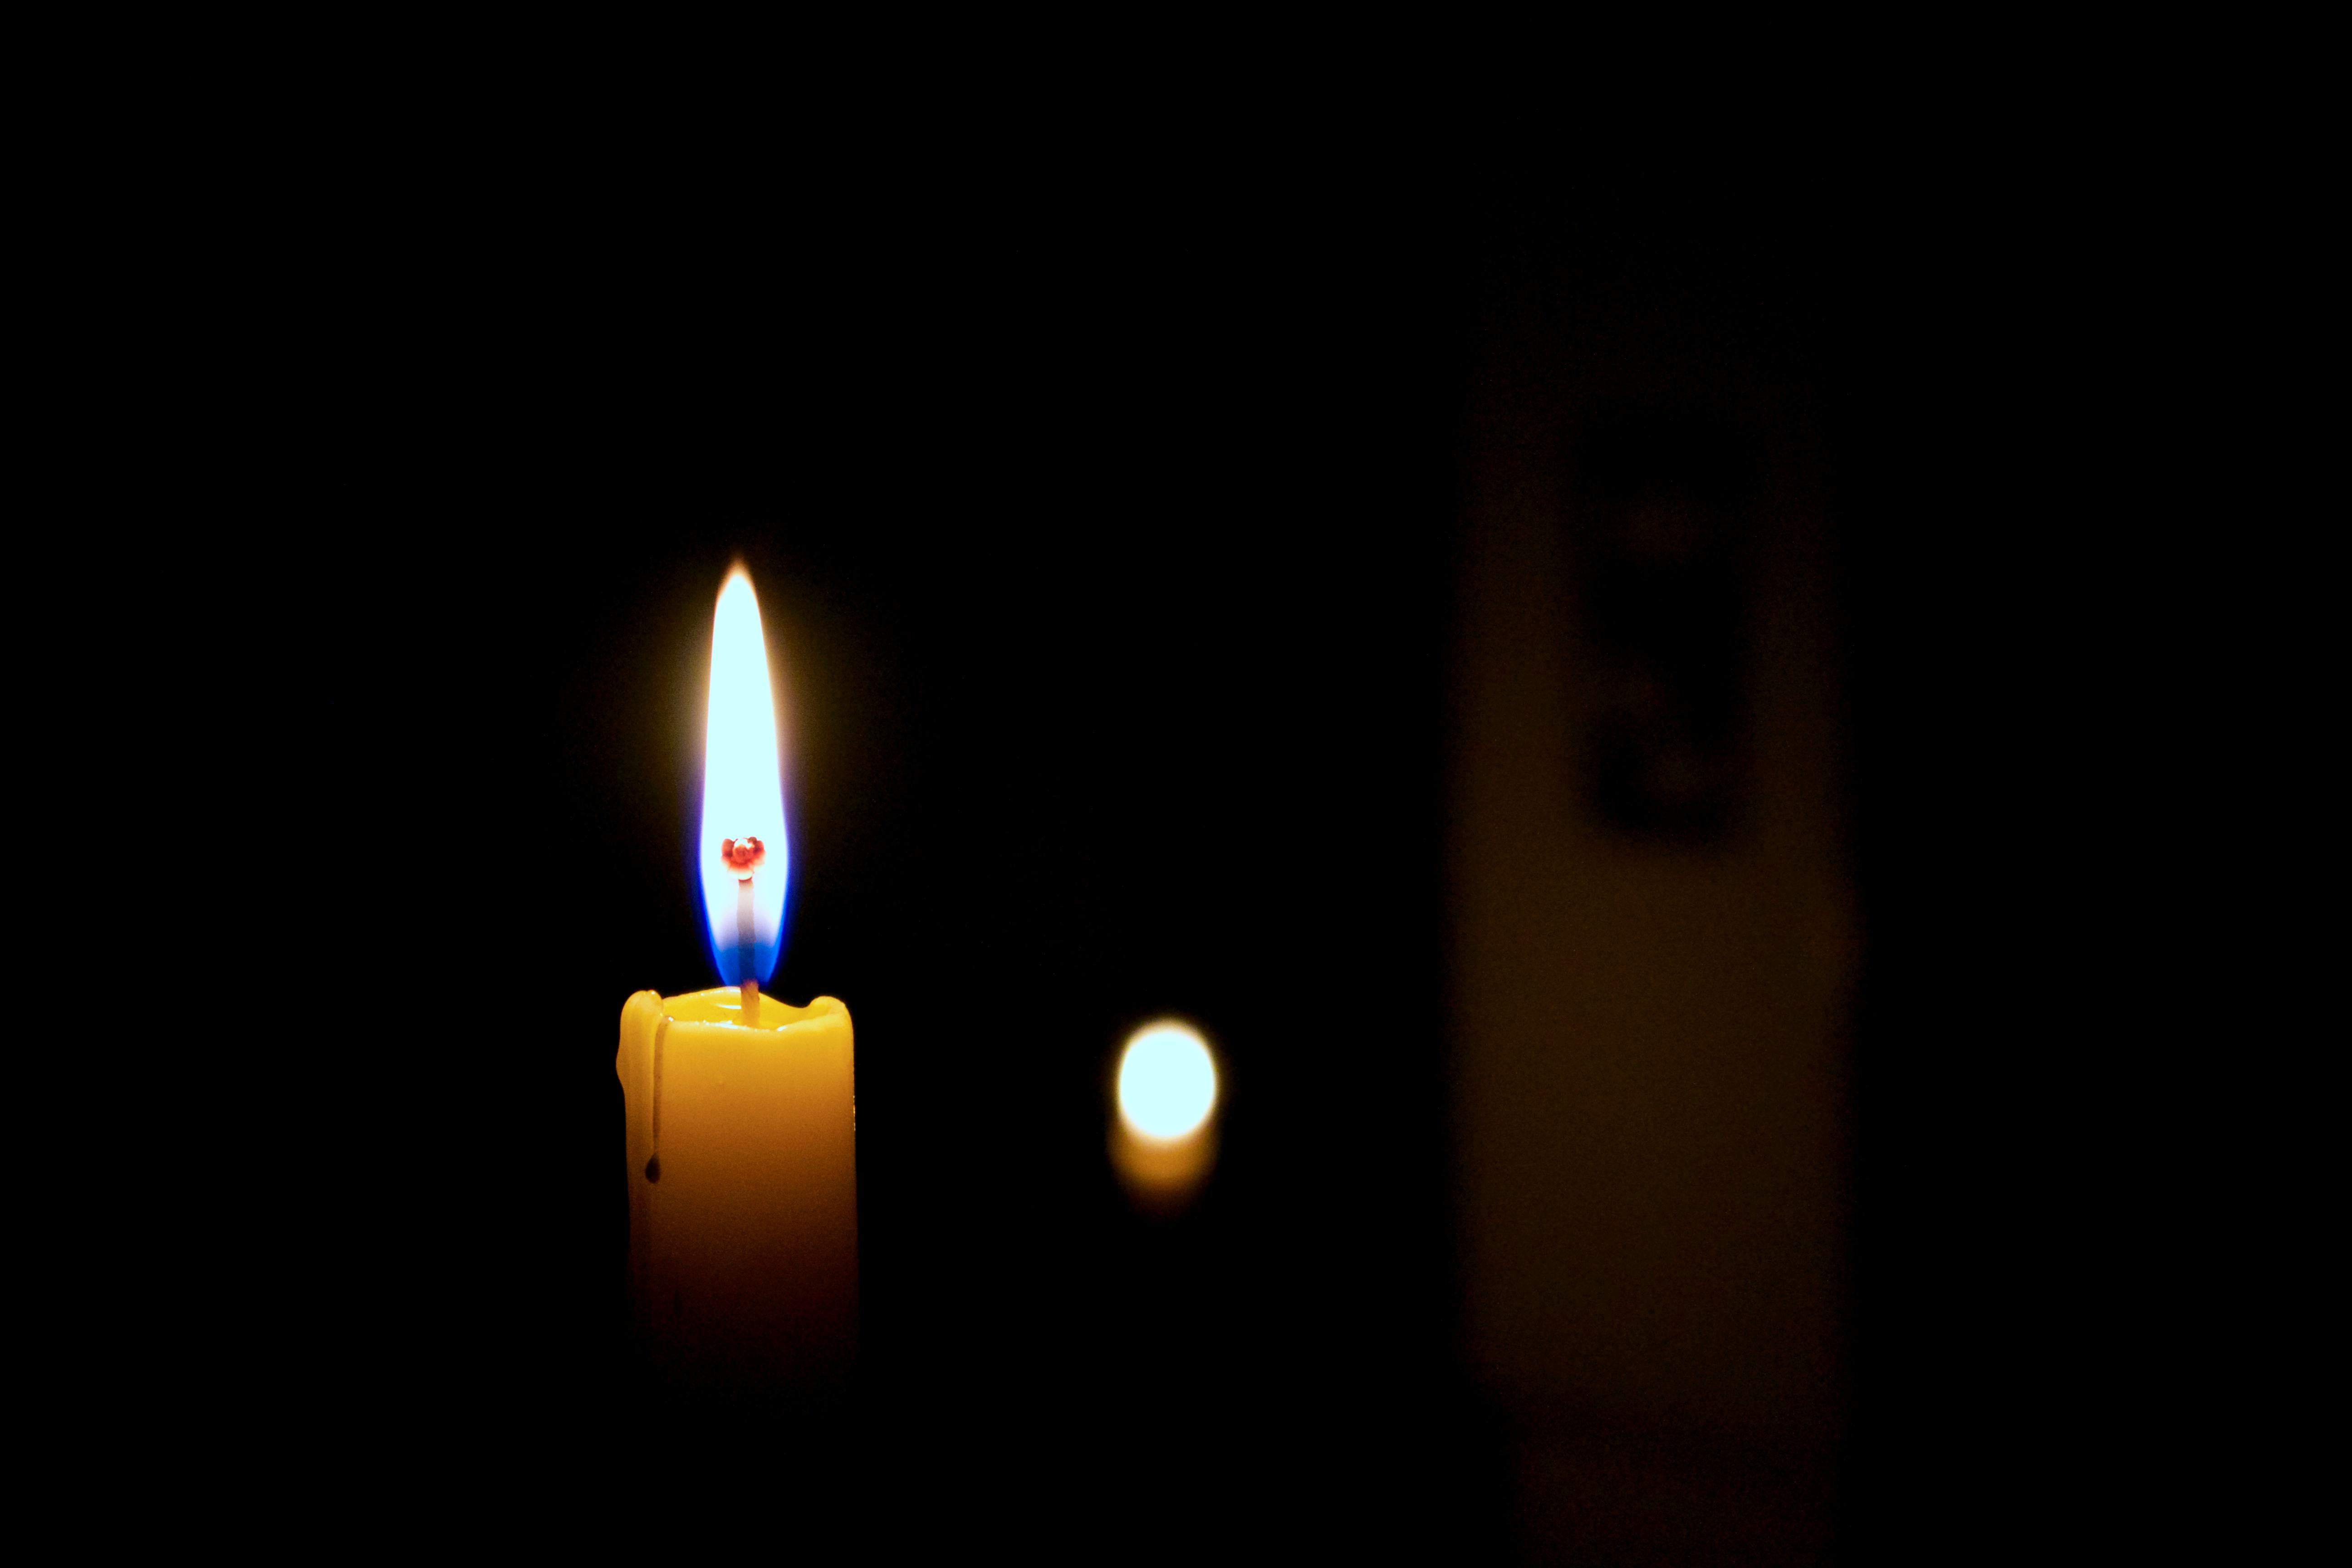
(1112, 587)
(1110, 604)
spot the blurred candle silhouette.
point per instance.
(1164, 1139)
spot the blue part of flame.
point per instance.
(768, 943)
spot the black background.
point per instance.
(1111, 603)
(1109, 578)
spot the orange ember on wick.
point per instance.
(741, 854)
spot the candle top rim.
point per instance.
(724, 1004)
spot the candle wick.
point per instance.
(746, 946)
(743, 857)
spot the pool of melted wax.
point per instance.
(724, 1004)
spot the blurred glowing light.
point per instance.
(1167, 1081)
(743, 792)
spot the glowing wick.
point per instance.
(741, 854)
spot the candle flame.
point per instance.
(742, 838)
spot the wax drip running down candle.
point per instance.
(653, 1158)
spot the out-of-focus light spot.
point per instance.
(1167, 1081)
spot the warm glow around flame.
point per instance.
(742, 789)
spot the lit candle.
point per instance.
(741, 1109)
